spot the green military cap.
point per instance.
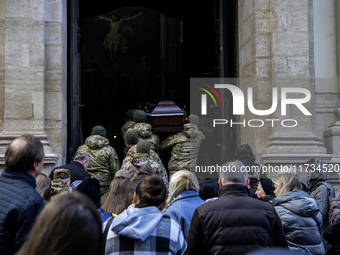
(131, 136)
(58, 186)
(98, 130)
(143, 146)
(61, 173)
(139, 116)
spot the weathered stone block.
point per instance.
(263, 45)
(247, 31)
(53, 56)
(53, 33)
(37, 9)
(53, 10)
(24, 125)
(53, 82)
(53, 105)
(262, 24)
(16, 8)
(2, 9)
(245, 10)
(18, 104)
(38, 104)
(290, 43)
(280, 66)
(247, 52)
(24, 31)
(36, 55)
(29, 77)
(298, 66)
(263, 67)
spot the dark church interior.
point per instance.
(137, 53)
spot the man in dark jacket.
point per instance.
(20, 203)
(77, 167)
(235, 223)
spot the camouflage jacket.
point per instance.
(144, 131)
(104, 162)
(139, 159)
(126, 126)
(185, 146)
(153, 155)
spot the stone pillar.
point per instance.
(332, 133)
(276, 48)
(2, 62)
(27, 60)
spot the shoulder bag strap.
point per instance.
(107, 227)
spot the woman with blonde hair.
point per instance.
(299, 213)
(44, 186)
(183, 198)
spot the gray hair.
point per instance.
(233, 171)
(123, 173)
(82, 157)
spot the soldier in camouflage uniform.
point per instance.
(142, 158)
(185, 146)
(145, 130)
(131, 139)
(104, 162)
(129, 123)
(61, 181)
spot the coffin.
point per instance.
(165, 117)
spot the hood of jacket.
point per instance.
(299, 202)
(184, 195)
(144, 130)
(96, 142)
(137, 223)
(140, 159)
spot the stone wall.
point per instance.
(33, 80)
(276, 47)
(286, 44)
(2, 62)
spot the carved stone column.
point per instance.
(276, 44)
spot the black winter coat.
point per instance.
(20, 204)
(235, 224)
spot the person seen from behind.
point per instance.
(20, 203)
(68, 225)
(143, 229)
(183, 198)
(228, 225)
(299, 213)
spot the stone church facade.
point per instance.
(278, 41)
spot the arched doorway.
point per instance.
(132, 52)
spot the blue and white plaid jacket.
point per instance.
(144, 231)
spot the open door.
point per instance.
(133, 52)
(74, 79)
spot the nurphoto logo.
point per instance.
(238, 103)
(228, 108)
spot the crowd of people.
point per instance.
(99, 205)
